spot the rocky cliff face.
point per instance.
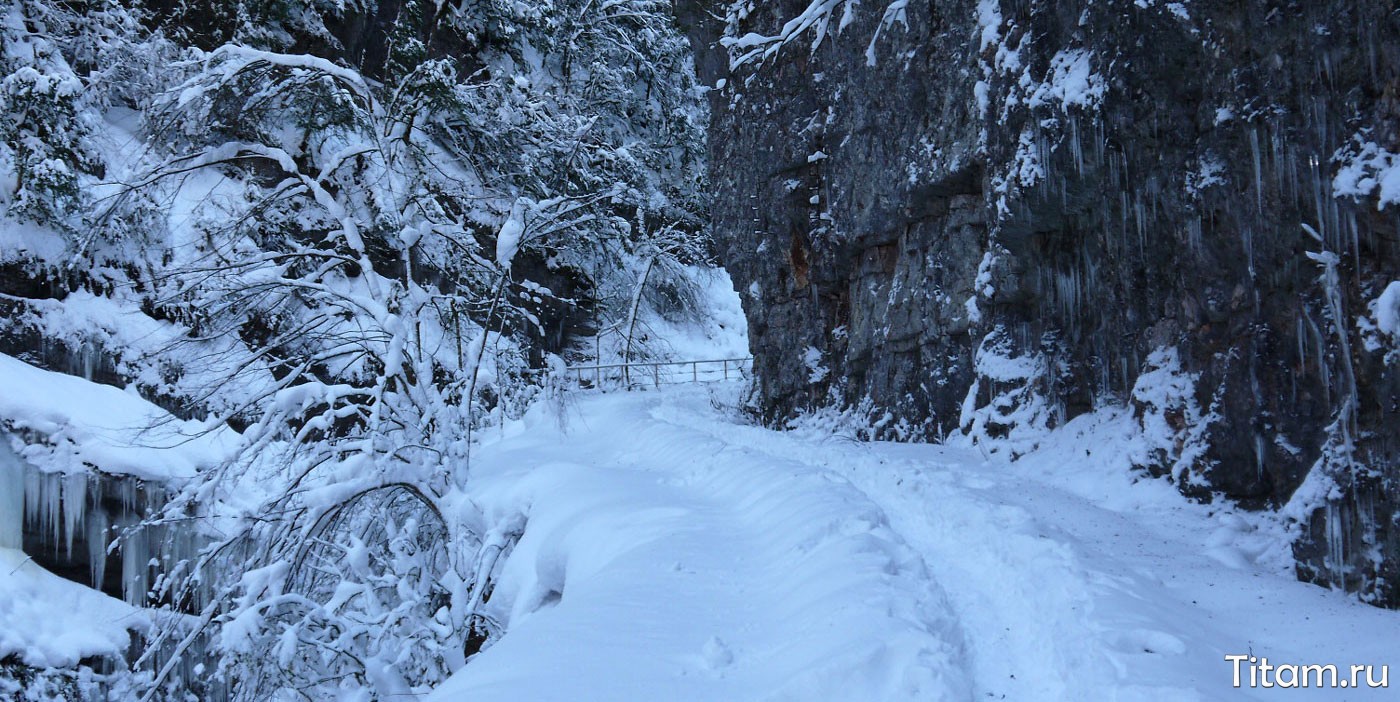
(985, 218)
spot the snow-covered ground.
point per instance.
(674, 552)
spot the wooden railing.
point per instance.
(638, 374)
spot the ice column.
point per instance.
(11, 496)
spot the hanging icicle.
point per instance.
(11, 496)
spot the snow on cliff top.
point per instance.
(88, 424)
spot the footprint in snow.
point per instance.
(716, 654)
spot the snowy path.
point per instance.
(675, 554)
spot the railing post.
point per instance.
(726, 370)
(694, 371)
(656, 375)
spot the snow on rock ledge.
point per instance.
(1364, 168)
(49, 622)
(90, 425)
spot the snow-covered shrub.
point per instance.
(364, 598)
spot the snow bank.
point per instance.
(91, 425)
(49, 622)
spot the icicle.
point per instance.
(1248, 234)
(1259, 455)
(1076, 146)
(74, 507)
(11, 496)
(1193, 235)
(136, 560)
(1138, 223)
(87, 356)
(97, 528)
(32, 487)
(1258, 169)
(43, 508)
(1355, 238)
(127, 488)
(1336, 542)
(1300, 337)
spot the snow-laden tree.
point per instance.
(45, 136)
(363, 231)
(385, 237)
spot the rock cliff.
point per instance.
(986, 218)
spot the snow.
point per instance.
(812, 359)
(979, 91)
(662, 562)
(1166, 389)
(673, 552)
(724, 331)
(1177, 9)
(712, 331)
(508, 240)
(25, 241)
(983, 282)
(1364, 168)
(1209, 171)
(88, 424)
(1024, 170)
(1386, 310)
(1070, 80)
(239, 56)
(815, 18)
(46, 621)
(974, 312)
(989, 23)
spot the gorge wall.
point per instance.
(986, 218)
